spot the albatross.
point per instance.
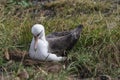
(39, 46)
(53, 46)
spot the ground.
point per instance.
(96, 55)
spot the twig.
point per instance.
(43, 71)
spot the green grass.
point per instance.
(96, 53)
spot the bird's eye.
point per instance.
(38, 34)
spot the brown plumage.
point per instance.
(60, 42)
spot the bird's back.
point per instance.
(60, 42)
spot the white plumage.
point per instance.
(39, 46)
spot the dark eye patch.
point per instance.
(39, 33)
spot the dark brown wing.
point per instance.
(60, 42)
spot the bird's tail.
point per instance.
(76, 32)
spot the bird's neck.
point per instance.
(43, 37)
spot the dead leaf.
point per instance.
(6, 55)
(54, 68)
(23, 74)
(1, 76)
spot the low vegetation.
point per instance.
(96, 53)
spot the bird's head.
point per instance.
(38, 32)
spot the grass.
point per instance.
(97, 51)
